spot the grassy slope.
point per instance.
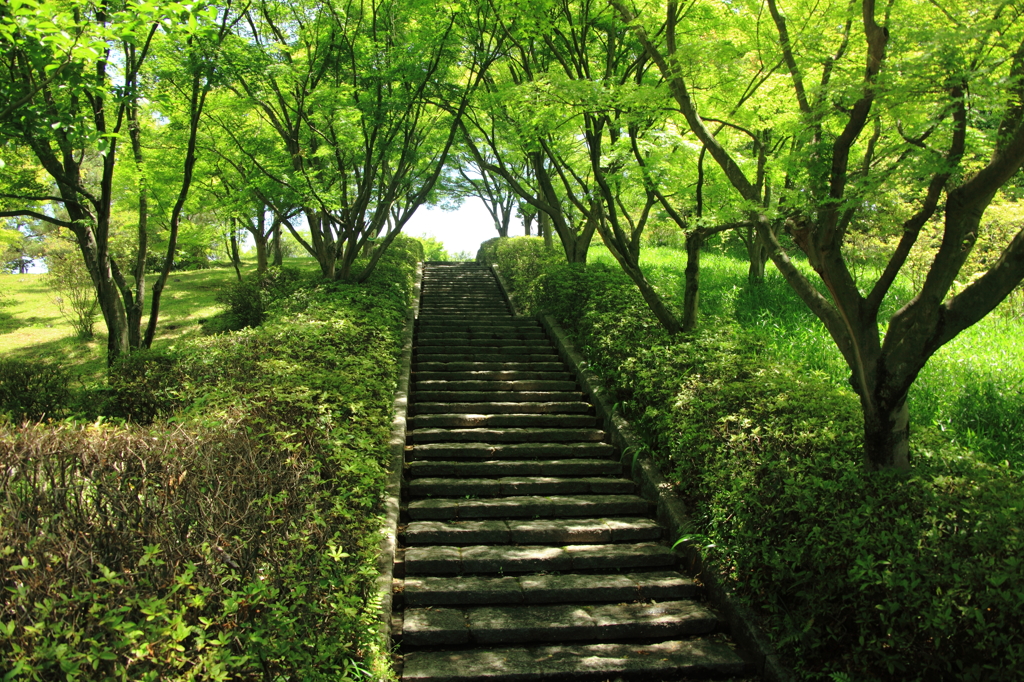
(973, 388)
(31, 325)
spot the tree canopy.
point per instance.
(804, 128)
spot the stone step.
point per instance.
(507, 435)
(539, 467)
(505, 397)
(507, 350)
(560, 622)
(535, 355)
(479, 385)
(424, 345)
(465, 308)
(498, 325)
(532, 532)
(509, 451)
(458, 301)
(527, 507)
(513, 486)
(549, 366)
(545, 588)
(504, 559)
(669, 660)
(485, 345)
(453, 324)
(434, 338)
(438, 292)
(472, 421)
(468, 318)
(493, 375)
(563, 407)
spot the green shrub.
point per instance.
(247, 302)
(33, 389)
(522, 261)
(144, 385)
(236, 539)
(487, 253)
(69, 279)
(862, 576)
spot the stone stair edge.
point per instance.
(396, 447)
(671, 512)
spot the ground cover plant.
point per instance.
(234, 536)
(858, 575)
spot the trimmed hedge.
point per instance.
(234, 538)
(859, 576)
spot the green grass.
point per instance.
(31, 325)
(973, 388)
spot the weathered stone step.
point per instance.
(453, 323)
(507, 350)
(497, 385)
(485, 334)
(467, 318)
(558, 407)
(538, 467)
(494, 375)
(465, 308)
(495, 342)
(510, 451)
(669, 660)
(548, 588)
(527, 507)
(532, 532)
(507, 435)
(504, 559)
(471, 421)
(504, 397)
(488, 345)
(434, 323)
(548, 366)
(566, 623)
(534, 355)
(511, 486)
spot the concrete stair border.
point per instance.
(393, 489)
(671, 511)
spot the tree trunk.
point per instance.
(691, 292)
(757, 253)
(654, 301)
(235, 260)
(886, 433)
(275, 243)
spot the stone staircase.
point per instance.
(526, 555)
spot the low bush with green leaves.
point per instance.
(236, 536)
(858, 575)
(33, 389)
(246, 302)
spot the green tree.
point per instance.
(366, 99)
(879, 107)
(73, 72)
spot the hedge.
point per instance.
(236, 536)
(858, 575)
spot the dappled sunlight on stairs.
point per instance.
(527, 555)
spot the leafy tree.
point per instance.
(73, 71)
(878, 107)
(366, 100)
